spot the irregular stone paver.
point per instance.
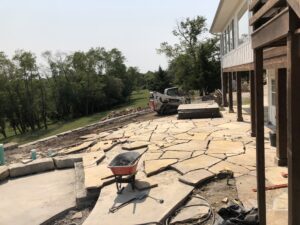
(4, 172)
(152, 156)
(62, 162)
(225, 147)
(92, 158)
(176, 155)
(155, 166)
(196, 177)
(192, 136)
(135, 145)
(35, 199)
(95, 176)
(238, 170)
(78, 148)
(104, 146)
(249, 158)
(36, 166)
(89, 136)
(190, 213)
(274, 175)
(143, 211)
(190, 146)
(199, 162)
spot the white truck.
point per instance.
(168, 102)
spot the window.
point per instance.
(273, 92)
(243, 26)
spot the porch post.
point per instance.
(230, 92)
(252, 103)
(260, 145)
(293, 115)
(239, 97)
(281, 117)
(224, 89)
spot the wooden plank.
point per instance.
(224, 90)
(263, 10)
(274, 30)
(254, 3)
(295, 4)
(293, 112)
(281, 117)
(260, 136)
(274, 52)
(252, 106)
(230, 92)
(239, 97)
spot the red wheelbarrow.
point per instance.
(124, 169)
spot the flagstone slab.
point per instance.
(115, 135)
(192, 136)
(4, 172)
(145, 211)
(103, 146)
(197, 153)
(152, 156)
(89, 136)
(274, 175)
(190, 213)
(92, 158)
(176, 155)
(237, 170)
(225, 147)
(135, 145)
(141, 137)
(77, 148)
(94, 176)
(189, 146)
(199, 162)
(196, 177)
(153, 167)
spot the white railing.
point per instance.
(243, 54)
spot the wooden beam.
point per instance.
(274, 30)
(293, 115)
(260, 136)
(255, 3)
(281, 117)
(252, 104)
(224, 89)
(239, 97)
(263, 10)
(230, 93)
(295, 4)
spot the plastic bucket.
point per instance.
(272, 138)
(2, 157)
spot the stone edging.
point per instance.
(38, 166)
(90, 126)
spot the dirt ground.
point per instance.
(70, 139)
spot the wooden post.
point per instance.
(239, 97)
(293, 115)
(224, 89)
(260, 136)
(230, 93)
(281, 117)
(252, 104)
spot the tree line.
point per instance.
(82, 83)
(70, 86)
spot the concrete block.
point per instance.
(36, 166)
(4, 172)
(63, 162)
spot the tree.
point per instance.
(194, 59)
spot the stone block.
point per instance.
(10, 146)
(4, 172)
(36, 166)
(63, 162)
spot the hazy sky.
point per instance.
(136, 27)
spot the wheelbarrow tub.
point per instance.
(124, 164)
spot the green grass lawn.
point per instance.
(138, 99)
